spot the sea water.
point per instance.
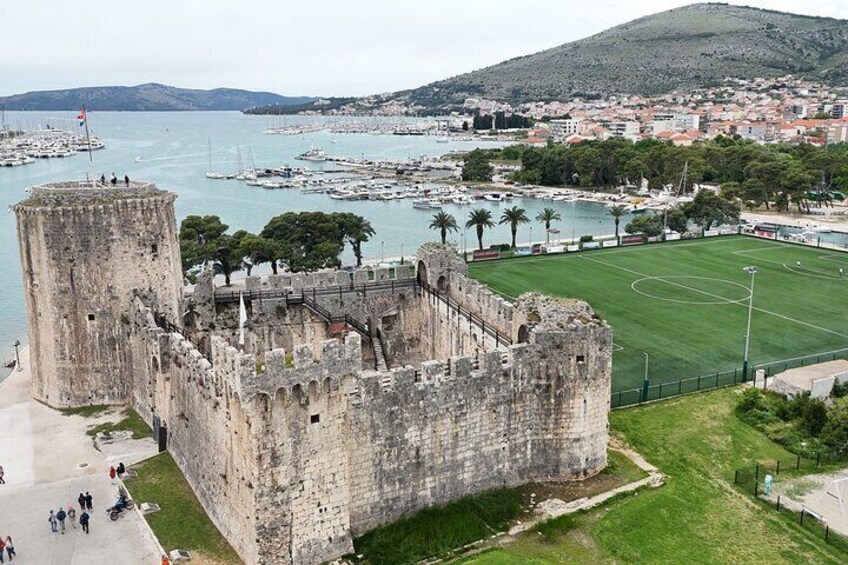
(172, 149)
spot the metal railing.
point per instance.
(331, 318)
(169, 326)
(292, 296)
(467, 314)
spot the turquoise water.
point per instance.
(174, 151)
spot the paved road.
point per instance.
(42, 452)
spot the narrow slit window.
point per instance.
(314, 418)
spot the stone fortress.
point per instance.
(358, 396)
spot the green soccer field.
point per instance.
(686, 303)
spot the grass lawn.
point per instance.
(181, 523)
(86, 411)
(697, 517)
(131, 422)
(685, 303)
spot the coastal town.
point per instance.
(764, 110)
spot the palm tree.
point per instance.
(547, 216)
(617, 212)
(480, 218)
(443, 222)
(514, 216)
(357, 230)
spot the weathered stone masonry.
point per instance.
(293, 451)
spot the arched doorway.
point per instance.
(422, 273)
(442, 284)
(523, 334)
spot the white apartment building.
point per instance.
(562, 129)
(629, 130)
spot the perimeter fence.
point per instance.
(649, 391)
(752, 481)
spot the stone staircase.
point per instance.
(379, 355)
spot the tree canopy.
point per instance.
(477, 167)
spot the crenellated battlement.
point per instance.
(284, 373)
(326, 279)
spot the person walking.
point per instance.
(3, 473)
(165, 560)
(103, 179)
(52, 520)
(61, 515)
(112, 473)
(84, 521)
(10, 548)
(127, 180)
(2, 549)
(121, 470)
(88, 499)
(114, 180)
(72, 516)
(81, 501)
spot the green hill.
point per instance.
(145, 97)
(697, 45)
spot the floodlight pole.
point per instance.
(645, 383)
(751, 271)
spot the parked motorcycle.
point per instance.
(122, 504)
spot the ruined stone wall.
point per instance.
(443, 269)
(436, 435)
(85, 252)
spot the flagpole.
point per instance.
(88, 140)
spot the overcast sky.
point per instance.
(298, 47)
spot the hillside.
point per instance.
(145, 97)
(697, 45)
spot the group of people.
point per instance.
(57, 519)
(118, 471)
(114, 180)
(7, 546)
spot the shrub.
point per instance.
(814, 416)
(839, 390)
(750, 399)
(586, 238)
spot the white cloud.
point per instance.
(334, 47)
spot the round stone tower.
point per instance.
(86, 251)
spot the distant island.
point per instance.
(147, 98)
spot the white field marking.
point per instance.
(802, 271)
(806, 272)
(758, 365)
(617, 347)
(775, 314)
(663, 278)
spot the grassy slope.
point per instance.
(181, 523)
(437, 531)
(686, 340)
(698, 517)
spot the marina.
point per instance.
(26, 147)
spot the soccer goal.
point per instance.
(838, 489)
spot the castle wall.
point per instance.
(209, 428)
(292, 456)
(84, 254)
